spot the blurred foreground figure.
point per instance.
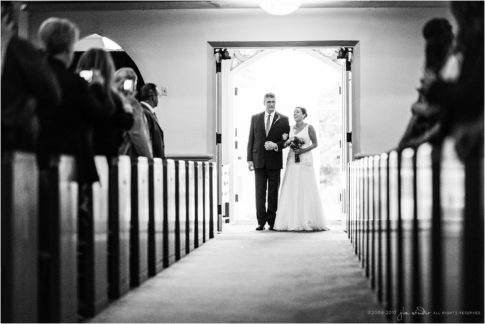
(460, 87)
(29, 87)
(68, 129)
(425, 122)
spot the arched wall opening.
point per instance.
(120, 57)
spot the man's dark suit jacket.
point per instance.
(257, 136)
(156, 133)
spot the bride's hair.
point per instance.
(303, 111)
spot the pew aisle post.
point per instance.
(408, 230)
(20, 214)
(424, 194)
(436, 235)
(155, 221)
(358, 211)
(372, 223)
(169, 220)
(473, 246)
(190, 205)
(452, 207)
(394, 228)
(206, 202)
(199, 210)
(213, 200)
(93, 258)
(378, 227)
(119, 227)
(365, 214)
(350, 172)
(181, 212)
(385, 225)
(58, 240)
(139, 221)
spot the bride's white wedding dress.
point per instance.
(299, 205)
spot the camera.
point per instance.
(86, 75)
(128, 85)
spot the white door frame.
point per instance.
(223, 81)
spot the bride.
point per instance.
(300, 207)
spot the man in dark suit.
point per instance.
(267, 135)
(149, 100)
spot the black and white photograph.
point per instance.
(242, 161)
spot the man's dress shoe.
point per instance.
(260, 228)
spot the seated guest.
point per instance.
(425, 120)
(68, 128)
(28, 85)
(460, 87)
(97, 64)
(137, 142)
(149, 100)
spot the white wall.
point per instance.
(170, 48)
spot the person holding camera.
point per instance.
(96, 66)
(137, 141)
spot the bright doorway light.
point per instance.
(298, 79)
(96, 41)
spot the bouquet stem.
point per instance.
(297, 158)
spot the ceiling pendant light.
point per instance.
(279, 7)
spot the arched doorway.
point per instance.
(120, 57)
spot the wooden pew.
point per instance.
(424, 194)
(452, 196)
(58, 241)
(119, 226)
(213, 200)
(385, 264)
(358, 211)
(181, 210)
(394, 230)
(372, 223)
(206, 222)
(199, 207)
(20, 213)
(139, 221)
(353, 201)
(190, 206)
(409, 233)
(155, 219)
(365, 216)
(473, 254)
(170, 217)
(93, 246)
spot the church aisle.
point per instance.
(248, 276)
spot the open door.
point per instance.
(345, 60)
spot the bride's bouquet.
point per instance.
(296, 143)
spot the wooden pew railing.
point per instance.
(415, 222)
(68, 250)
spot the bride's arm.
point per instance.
(313, 137)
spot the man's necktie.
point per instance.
(268, 124)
